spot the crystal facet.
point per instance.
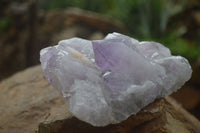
(106, 81)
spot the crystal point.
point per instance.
(106, 81)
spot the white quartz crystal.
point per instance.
(106, 81)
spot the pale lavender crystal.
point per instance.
(106, 81)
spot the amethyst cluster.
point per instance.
(106, 81)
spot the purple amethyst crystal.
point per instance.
(106, 81)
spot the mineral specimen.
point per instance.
(106, 81)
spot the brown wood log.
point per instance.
(29, 104)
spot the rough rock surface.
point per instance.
(26, 99)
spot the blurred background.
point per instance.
(26, 26)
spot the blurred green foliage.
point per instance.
(4, 24)
(145, 19)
